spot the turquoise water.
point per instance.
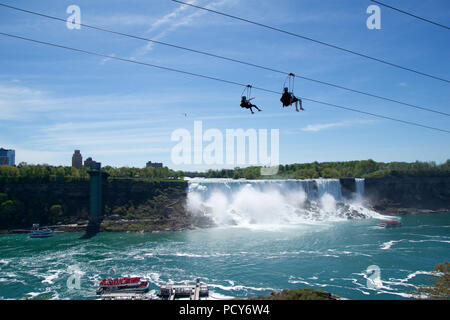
(234, 261)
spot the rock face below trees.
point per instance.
(129, 205)
(401, 195)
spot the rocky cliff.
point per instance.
(405, 194)
(129, 205)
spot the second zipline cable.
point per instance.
(318, 41)
(231, 60)
(217, 79)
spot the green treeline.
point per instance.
(358, 169)
(143, 173)
(44, 173)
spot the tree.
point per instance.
(56, 211)
(440, 289)
(11, 212)
(3, 197)
(5, 213)
(330, 173)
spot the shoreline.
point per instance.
(143, 225)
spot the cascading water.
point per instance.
(359, 186)
(272, 202)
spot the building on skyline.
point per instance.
(88, 162)
(7, 157)
(154, 164)
(77, 159)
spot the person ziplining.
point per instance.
(245, 103)
(288, 98)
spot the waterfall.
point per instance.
(330, 186)
(271, 202)
(359, 187)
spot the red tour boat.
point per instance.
(126, 284)
(391, 224)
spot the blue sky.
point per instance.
(53, 101)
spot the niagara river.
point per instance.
(268, 235)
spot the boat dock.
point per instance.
(169, 291)
(193, 292)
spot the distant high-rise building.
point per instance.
(88, 161)
(77, 159)
(7, 157)
(154, 164)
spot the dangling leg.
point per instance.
(257, 108)
(295, 101)
(250, 107)
(301, 108)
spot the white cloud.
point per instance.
(326, 126)
(174, 20)
(21, 103)
(33, 156)
(123, 19)
(323, 126)
(168, 18)
(47, 128)
(107, 59)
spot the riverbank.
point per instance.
(152, 225)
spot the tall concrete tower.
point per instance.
(77, 159)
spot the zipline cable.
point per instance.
(231, 60)
(216, 79)
(410, 14)
(318, 41)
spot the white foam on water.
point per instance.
(154, 277)
(191, 255)
(237, 287)
(416, 273)
(31, 295)
(419, 241)
(49, 278)
(388, 245)
(218, 296)
(5, 262)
